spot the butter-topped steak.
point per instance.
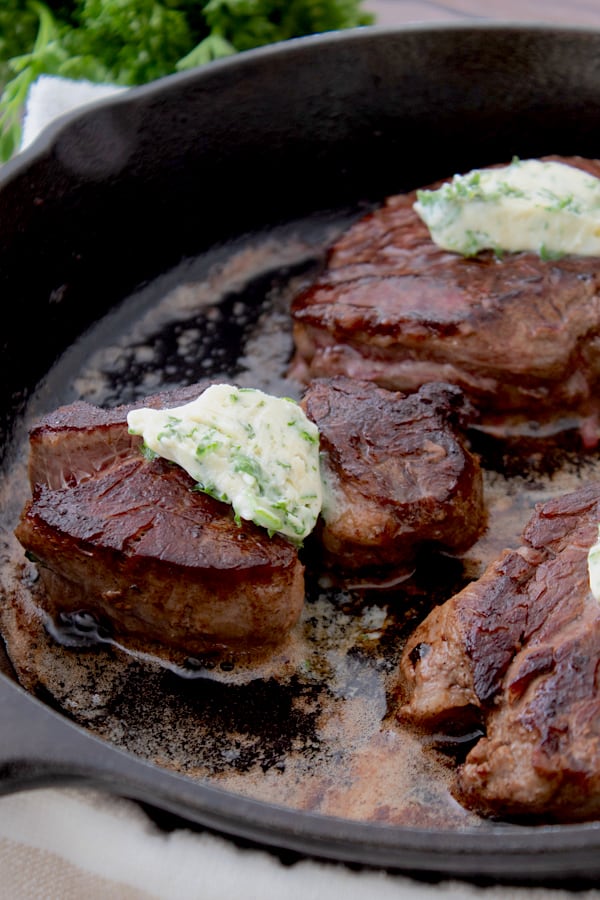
(520, 334)
(129, 540)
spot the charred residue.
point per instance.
(214, 726)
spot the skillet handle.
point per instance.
(41, 748)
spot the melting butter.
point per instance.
(550, 208)
(257, 452)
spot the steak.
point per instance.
(520, 335)
(397, 472)
(519, 651)
(130, 541)
(77, 441)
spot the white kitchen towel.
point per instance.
(68, 844)
(50, 97)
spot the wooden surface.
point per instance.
(398, 12)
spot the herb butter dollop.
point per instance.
(546, 207)
(257, 452)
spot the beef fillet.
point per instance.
(397, 472)
(130, 541)
(77, 441)
(520, 335)
(519, 650)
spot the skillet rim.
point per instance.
(52, 131)
(66, 754)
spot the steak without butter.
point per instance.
(398, 474)
(519, 650)
(520, 335)
(129, 540)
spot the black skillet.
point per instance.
(109, 199)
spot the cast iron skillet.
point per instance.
(111, 197)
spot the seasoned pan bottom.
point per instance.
(311, 727)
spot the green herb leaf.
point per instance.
(129, 42)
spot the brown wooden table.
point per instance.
(399, 12)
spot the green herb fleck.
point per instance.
(549, 255)
(147, 452)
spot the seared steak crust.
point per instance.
(520, 335)
(397, 471)
(520, 647)
(130, 541)
(159, 562)
(76, 441)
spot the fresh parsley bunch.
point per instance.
(129, 42)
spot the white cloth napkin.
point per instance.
(51, 97)
(82, 845)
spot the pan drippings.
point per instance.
(310, 725)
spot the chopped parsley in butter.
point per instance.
(257, 452)
(549, 208)
(594, 567)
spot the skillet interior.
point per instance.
(243, 172)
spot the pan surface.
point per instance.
(157, 239)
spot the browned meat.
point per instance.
(520, 335)
(397, 472)
(131, 542)
(79, 440)
(520, 648)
